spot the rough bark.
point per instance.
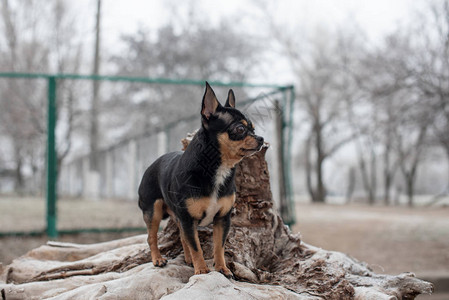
(268, 261)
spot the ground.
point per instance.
(390, 239)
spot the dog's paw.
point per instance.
(225, 271)
(188, 261)
(159, 262)
(204, 270)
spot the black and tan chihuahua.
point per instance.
(196, 187)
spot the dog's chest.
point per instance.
(222, 174)
(210, 212)
(216, 205)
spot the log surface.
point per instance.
(268, 262)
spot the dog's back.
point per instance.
(156, 174)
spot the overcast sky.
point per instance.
(376, 17)
(119, 17)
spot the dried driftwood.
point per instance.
(267, 260)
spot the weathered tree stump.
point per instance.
(267, 260)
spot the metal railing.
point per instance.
(287, 91)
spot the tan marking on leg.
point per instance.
(225, 204)
(152, 223)
(199, 263)
(171, 213)
(185, 245)
(186, 248)
(197, 206)
(219, 259)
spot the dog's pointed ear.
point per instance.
(210, 102)
(230, 102)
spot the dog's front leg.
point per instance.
(189, 233)
(221, 229)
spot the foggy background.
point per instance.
(371, 120)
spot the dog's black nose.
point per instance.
(259, 139)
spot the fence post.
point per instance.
(290, 125)
(280, 161)
(286, 139)
(52, 175)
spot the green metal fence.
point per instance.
(287, 91)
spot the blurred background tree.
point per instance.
(372, 114)
(38, 38)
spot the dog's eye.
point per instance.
(240, 129)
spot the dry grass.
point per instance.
(28, 214)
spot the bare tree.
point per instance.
(318, 62)
(415, 60)
(366, 151)
(191, 52)
(404, 130)
(389, 163)
(21, 103)
(409, 159)
(45, 41)
(325, 92)
(432, 72)
(373, 116)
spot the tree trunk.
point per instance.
(308, 166)
(18, 172)
(387, 174)
(364, 173)
(18, 180)
(409, 183)
(351, 185)
(387, 188)
(445, 192)
(260, 250)
(373, 182)
(368, 174)
(410, 174)
(95, 89)
(320, 194)
(447, 161)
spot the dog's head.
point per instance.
(232, 129)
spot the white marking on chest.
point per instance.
(220, 178)
(222, 174)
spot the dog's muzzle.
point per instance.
(259, 140)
